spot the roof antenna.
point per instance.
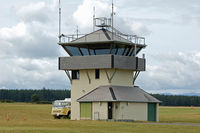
(112, 14)
(59, 36)
(94, 21)
(77, 31)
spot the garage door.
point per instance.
(86, 110)
(151, 111)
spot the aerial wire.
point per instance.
(59, 21)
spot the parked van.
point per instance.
(61, 108)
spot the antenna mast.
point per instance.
(59, 36)
(112, 17)
(77, 31)
(94, 18)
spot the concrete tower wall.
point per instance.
(81, 86)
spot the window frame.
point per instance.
(97, 74)
(75, 74)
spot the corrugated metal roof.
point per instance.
(118, 93)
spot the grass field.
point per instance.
(33, 118)
(180, 114)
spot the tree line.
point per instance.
(178, 100)
(48, 95)
(28, 95)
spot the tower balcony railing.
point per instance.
(101, 37)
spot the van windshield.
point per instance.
(61, 104)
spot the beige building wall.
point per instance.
(81, 86)
(122, 77)
(132, 111)
(99, 110)
(116, 110)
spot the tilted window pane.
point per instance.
(73, 50)
(84, 51)
(102, 51)
(114, 50)
(92, 52)
(127, 51)
(120, 51)
(133, 54)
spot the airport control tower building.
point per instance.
(102, 67)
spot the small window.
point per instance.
(97, 74)
(75, 74)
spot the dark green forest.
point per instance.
(38, 96)
(49, 95)
(178, 100)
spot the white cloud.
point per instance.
(83, 17)
(18, 30)
(172, 71)
(39, 11)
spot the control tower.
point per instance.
(102, 67)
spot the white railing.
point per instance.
(101, 37)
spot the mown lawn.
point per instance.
(180, 114)
(33, 118)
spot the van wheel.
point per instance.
(65, 117)
(56, 117)
(69, 115)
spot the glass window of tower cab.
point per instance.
(105, 40)
(103, 44)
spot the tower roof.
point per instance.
(118, 93)
(102, 41)
(101, 35)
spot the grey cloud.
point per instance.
(155, 4)
(131, 27)
(83, 17)
(39, 11)
(38, 46)
(34, 36)
(40, 73)
(172, 71)
(197, 19)
(161, 12)
(29, 51)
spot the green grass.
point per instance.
(179, 114)
(39, 120)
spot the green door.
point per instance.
(86, 110)
(151, 111)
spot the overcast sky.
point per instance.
(29, 51)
